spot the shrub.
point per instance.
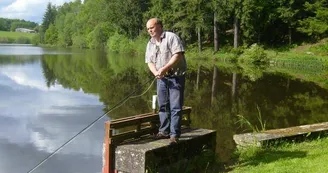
(36, 39)
(119, 44)
(23, 40)
(4, 40)
(79, 41)
(139, 44)
(254, 54)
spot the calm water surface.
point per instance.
(36, 119)
(49, 95)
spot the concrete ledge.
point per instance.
(257, 139)
(154, 155)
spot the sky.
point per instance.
(30, 10)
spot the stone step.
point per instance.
(258, 138)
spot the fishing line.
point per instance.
(92, 123)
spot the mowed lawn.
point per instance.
(14, 35)
(305, 157)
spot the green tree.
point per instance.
(315, 25)
(48, 19)
(288, 12)
(49, 16)
(127, 18)
(221, 14)
(256, 17)
(51, 35)
(162, 10)
(2, 24)
(235, 6)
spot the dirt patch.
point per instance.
(306, 47)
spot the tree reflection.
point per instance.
(217, 93)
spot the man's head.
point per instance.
(155, 28)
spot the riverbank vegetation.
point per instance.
(16, 37)
(215, 25)
(13, 24)
(8, 34)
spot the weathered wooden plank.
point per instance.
(135, 120)
(132, 117)
(116, 139)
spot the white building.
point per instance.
(24, 30)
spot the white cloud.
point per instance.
(31, 10)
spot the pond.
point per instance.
(48, 95)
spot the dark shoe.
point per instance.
(173, 140)
(161, 135)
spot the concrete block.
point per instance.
(149, 155)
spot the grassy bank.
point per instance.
(16, 37)
(307, 157)
(308, 51)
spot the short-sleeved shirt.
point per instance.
(161, 53)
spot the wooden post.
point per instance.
(108, 150)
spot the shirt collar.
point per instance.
(153, 41)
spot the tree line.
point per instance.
(12, 24)
(210, 23)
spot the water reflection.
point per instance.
(217, 93)
(35, 120)
(23, 50)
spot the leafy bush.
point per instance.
(79, 41)
(23, 40)
(238, 51)
(4, 40)
(97, 38)
(119, 44)
(36, 39)
(139, 44)
(255, 54)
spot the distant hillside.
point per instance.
(12, 24)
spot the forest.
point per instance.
(213, 24)
(12, 24)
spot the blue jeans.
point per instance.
(170, 101)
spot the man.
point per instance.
(165, 59)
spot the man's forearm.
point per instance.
(175, 58)
(152, 68)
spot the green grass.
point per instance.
(305, 157)
(15, 35)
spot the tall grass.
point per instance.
(321, 49)
(244, 121)
(16, 37)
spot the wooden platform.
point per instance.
(257, 139)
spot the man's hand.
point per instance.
(160, 73)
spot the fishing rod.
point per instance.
(93, 122)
